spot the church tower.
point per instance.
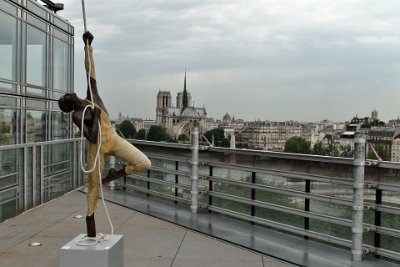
(163, 102)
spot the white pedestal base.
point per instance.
(107, 253)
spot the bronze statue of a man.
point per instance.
(111, 142)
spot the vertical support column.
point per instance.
(194, 176)
(307, 189)
(378, 219)
(253, 195)
(210, 187)
(112, 165)
(25, 182)
(41, 174)
(358, 197)
(34, 173)
(176, 180)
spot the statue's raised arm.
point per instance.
(92, 91)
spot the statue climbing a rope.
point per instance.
(95, 125)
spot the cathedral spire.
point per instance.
(185, 96)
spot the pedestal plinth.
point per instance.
(107, 253)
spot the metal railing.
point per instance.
(34, 173)
(305, 195)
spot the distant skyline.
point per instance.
(275, 60)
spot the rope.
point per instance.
(94, 240)
(99, 237)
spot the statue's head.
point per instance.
(68, 102)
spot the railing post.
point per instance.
(112, 165)
(253, 195)
(194, 175)
(358, 197)
(210, 187)
(307, 206)
(176, 180)
(378, 219)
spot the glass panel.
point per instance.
(8, 7)
(61, 35)
(8, 43)
(35, 104)
(35, 91)
(61, 24)
(8, 126)
(35, 126)
(59, 125)
(60, 65)
(8, 101)
(36, 57)
(8, 210)
(37, 22)
(37, 10)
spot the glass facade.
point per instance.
(36, 68)
(36, 48)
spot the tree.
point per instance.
(382, 152)
(156, 133)
(127, 129)
(141, 134)
(219, 137)
(183, 138)
(297, 144)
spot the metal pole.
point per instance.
(194, 176)
(112, 165)
(358, 197)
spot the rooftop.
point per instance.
(148, 241)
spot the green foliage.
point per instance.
(333, 150)
(219, 137)
(141, 134)
(297, 144)
(156, 133)
(183, 138)
(127, 129)
(381, 151)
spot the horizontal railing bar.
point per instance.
(55, 174)
(57, 183)
(286, 174)
(284, 227)
(293, 211)
(8, 187)
(284, 191)
(8, 175)
(9, 199)
(159, 194)
(46, 143)
(158, 181)
(57, 163)
(388, 187)
(387, 231)
(169, 171)
(174, 159)
(387, 253)
(388, 209)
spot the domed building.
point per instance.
(226, 119)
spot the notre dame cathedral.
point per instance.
(180, 119)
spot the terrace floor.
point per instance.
(148, 241)
(158, 233)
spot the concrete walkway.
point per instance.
(148, 241)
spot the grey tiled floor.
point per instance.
(148, 241)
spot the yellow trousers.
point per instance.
(112, 144)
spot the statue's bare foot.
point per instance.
(91, 226)
(113, 174)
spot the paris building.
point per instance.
(179, 119)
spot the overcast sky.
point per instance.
(278, 60)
